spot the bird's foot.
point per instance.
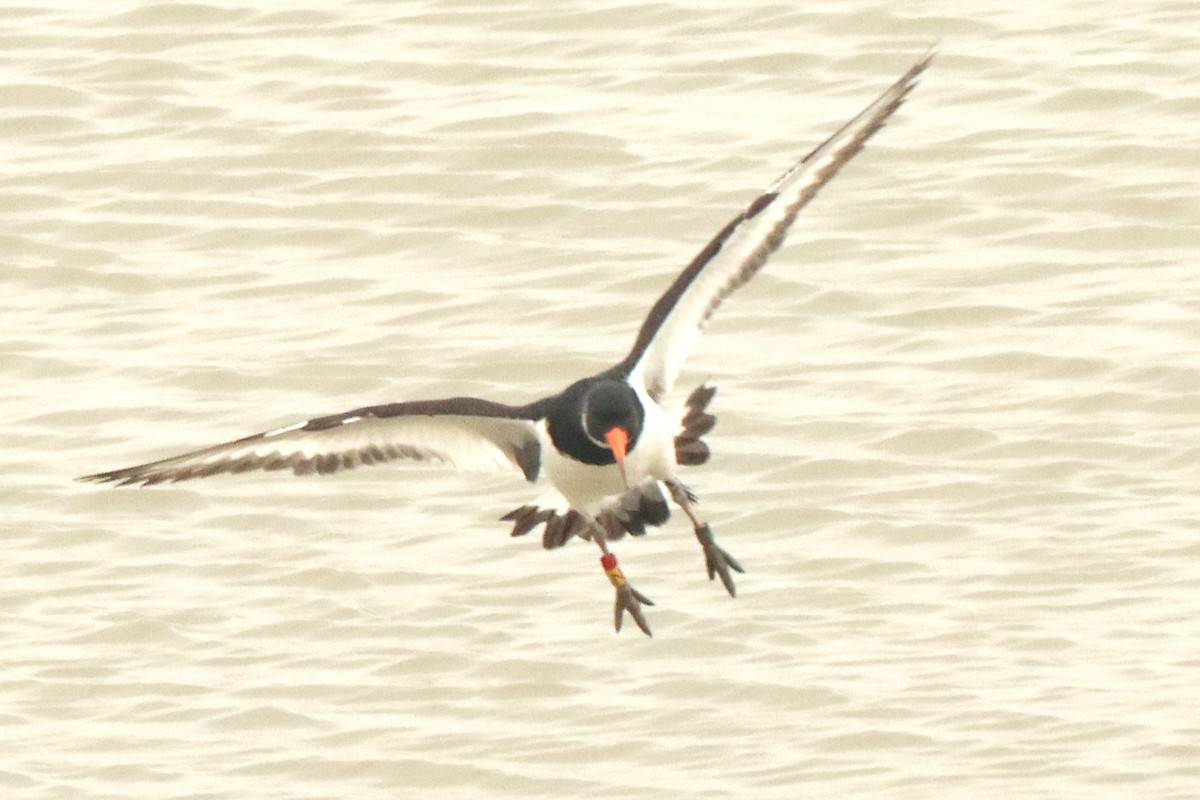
(717, 560)
(628, 598)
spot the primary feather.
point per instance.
(465, 432)
(741, 248)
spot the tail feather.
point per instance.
(690, 451)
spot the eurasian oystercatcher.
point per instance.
(610, 443)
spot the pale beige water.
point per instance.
(958, 449)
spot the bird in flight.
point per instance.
(611, 443)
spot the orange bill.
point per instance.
(618, 440)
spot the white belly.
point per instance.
(585, 486)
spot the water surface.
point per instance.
(959, 412)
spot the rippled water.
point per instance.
(959, 439)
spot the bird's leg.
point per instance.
(716, 559)
(628, 598)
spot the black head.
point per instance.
(588, 411)
(611, 404)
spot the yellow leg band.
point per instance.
(615, 577)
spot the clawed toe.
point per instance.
(717, 561)
(631, 600)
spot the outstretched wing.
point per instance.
(464, 432)
(741, 248)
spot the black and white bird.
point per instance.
(611, 443)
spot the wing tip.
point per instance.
(132, 476)
(917, 69)
(116, 478)
(910, 79)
